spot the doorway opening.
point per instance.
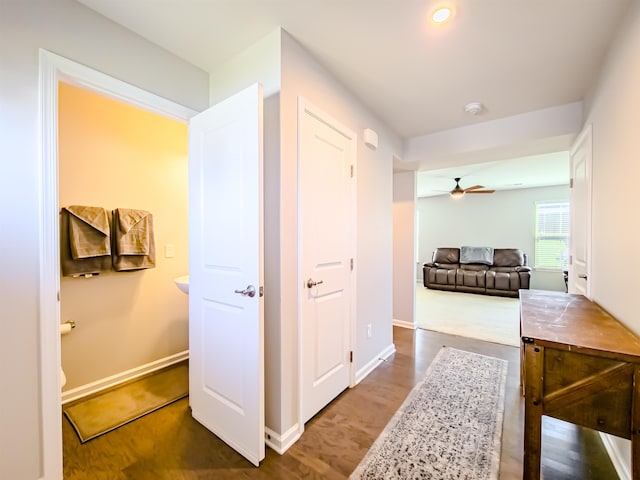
(55, 69)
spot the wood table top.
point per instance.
(573, 322)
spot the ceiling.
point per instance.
(514, 56)
(523, 172)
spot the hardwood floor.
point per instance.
(169, 444)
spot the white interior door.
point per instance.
(580, 214)
(226, 335)
(326, 156)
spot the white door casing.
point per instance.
(580, 214)
(53, 69)
(326, 216)
(226, 325)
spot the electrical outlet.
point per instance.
(169, 250)
(369, 330)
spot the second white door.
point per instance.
(580, 214)
(326, 159)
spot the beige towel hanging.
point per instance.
(90, 255)
(133, 239)
(88, 231)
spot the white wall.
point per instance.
(261, 63)
(532, 133)
(296, 74)
(304, 76)
(505, 219)
(404, 251)
(73, 31)
(613, 111)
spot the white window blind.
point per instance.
(552, 235)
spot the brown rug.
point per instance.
(106, 411)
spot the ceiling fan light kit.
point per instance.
(458, 191)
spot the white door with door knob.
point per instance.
(226, 334)
(326, 159)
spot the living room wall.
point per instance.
(505, 219)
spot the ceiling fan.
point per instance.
(458, 191)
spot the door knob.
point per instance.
(250, 291)
(311, 283)
(584, 275)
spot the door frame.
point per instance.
(584, 138)
(304, 104)
(53, 69)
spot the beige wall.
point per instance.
(71, 30)
(404, 251)
(115, 155)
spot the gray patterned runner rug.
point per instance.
(449, 426)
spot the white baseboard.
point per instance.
(404, 324)
(118, 378)
(281, 443)
(377, 360)
(619, 463)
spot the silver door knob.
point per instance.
(250, 291)
(311, 283)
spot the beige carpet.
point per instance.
(488, 318)
(106, 411)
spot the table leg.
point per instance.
(533, 409)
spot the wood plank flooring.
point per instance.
(169, 444)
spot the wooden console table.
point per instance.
(578, 364)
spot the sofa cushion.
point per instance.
(471, 278)
(508, 257)
(483, 255)
(446, 255)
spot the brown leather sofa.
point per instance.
(500, 271)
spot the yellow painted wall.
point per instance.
(115, 155)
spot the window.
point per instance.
(552, 235)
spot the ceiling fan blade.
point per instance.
(475, 187)
(480, 191)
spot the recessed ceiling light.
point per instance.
(442, 14)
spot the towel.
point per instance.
(133, 231)
(89, 265)
(133, 239)
(88, 231)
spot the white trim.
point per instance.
(375, 362)
(404, 323)
(122, 377)
(281, 443)
(619, 463)
(54, 68)
(50, 384)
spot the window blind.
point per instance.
(552, 235)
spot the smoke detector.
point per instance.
(473, 108)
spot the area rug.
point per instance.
(484, 317)
(449, 427)
(99, 414)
